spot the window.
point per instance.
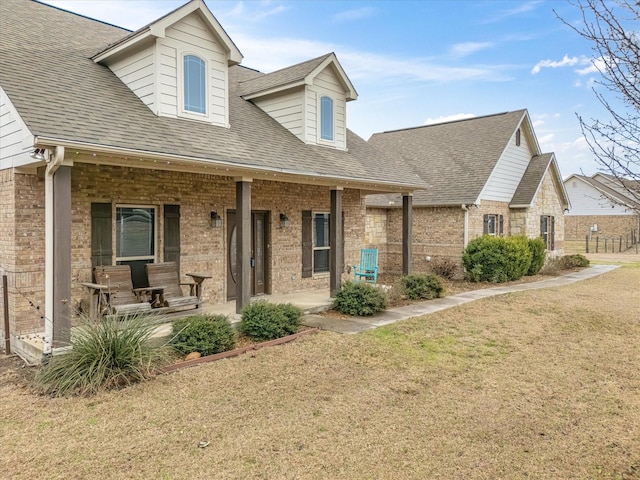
(321, 245)
(194, 80)
(548, 230)
(493, 225)
(518, 137)
(136, 239)
(326, 118)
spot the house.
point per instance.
(487, 175)
(121, 147)
(601, 206)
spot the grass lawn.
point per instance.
(537, 385)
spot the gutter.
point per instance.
(53, 163)
(466, 225)
(49, 142)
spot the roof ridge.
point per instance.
(326, 55)
(480, 117)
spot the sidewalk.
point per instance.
(362, 324)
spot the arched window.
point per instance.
(326, 118)
(195, 96)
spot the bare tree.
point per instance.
(613, 29)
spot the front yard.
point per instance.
(542, 384)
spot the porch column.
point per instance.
(57, 308)
(407, 202)
(335, 241)
(62, 257)
(243, 242)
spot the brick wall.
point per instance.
(436, 231)
(577, 227)
(487, 207)
(22, 248)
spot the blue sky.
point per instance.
(417, 62)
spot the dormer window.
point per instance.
(326, 118)
(195, 88)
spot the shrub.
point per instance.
(574, 261)
(538, 255)
(266, 321)
(107, 354)
(518, 257)
(497, 259)
(445, 267)
(425, 287)
(207, 334)
(359, 298)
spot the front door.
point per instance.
(259, 223)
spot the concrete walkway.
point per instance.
(362, 324)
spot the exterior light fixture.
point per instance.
(216, 220)
(284, 221)
(38, 154)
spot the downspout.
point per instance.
(53, 163)
(466, 224)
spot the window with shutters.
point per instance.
(493, 224)
(547, 230)
(316, 246)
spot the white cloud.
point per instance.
(468, 48)
(566, 61)
(263, 10)
(270, 54)
(448, 118)
(597, 65)
(524, 8)
(354, 14)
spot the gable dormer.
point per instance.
(308, 99)
(178, 65)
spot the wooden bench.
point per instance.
(113, 293)
(165, 278)
(368, 267)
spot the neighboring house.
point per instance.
(487, 175)
(600, 206)
(156, 145)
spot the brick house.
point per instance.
(121, 147)
(487, 175)
(601, 206)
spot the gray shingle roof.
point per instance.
(60, 93)
(284, 76)
(531, 179)
(455, 158)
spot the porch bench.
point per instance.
(113, 293)
(165, 277)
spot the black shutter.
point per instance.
(172, 234)
(501, 221)
(543, 235)
(485, 225)
(342, 246)
(553, 233)
(307, 244)
(101, 225)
